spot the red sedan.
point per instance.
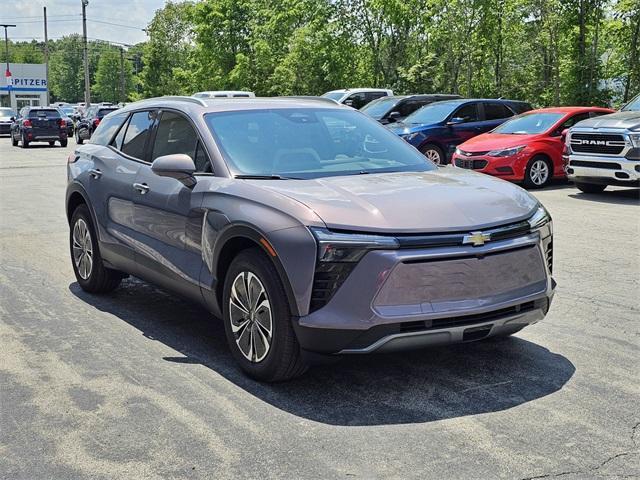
(527, 148)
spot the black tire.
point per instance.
(25, 143)
(590, 187)
(79, 141)
(283, 359)
(530, 178)
(64, 143)
(52, 144)
(100, 278)
(14, 141)
(434, 153)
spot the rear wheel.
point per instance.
(25, 142)
(538, 173)
(91, 274)
(52, 144)
(590, 187)
(257, 320)
(79, 141)
(64, 143)
(433, 153)
(14, 140)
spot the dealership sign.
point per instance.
(25, 77)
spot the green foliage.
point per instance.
(548, 52)
(114, 77)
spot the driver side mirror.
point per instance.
(178, 166)
(394, 116)
(456, 121)
(13, 119)
(348, 103)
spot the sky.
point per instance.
(65, 17)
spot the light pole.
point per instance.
(87, 86)
(7, 73)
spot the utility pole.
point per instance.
(122, 85)
(87, 86)
(7, 73)
(46, 54)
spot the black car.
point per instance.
(90, 121)
(39, 124)
(5, 120)
(66, 112)
(395, 109)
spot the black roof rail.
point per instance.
(176, 98)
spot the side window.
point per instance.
(107, 128)
(356, 100)
(496, 111)
(135, 137)
(117, 140)
(203, 164)
(371, 96)
(469, 112)
(175, 135)
(408, 107)
(571, 121)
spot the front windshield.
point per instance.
(633, 105)
(529, 124)
(433, 113)
(379, 108)
(305, 143)
(334, 95)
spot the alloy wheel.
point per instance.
(251, 317)
(433, 155)
(82, 249)
(539, 173)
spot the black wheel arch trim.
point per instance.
(77, 188)
(245, 231)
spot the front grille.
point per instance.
(472, 154)
(604, 165)
(604, 143)
(478, 318)
(471, 164)
(328, 278)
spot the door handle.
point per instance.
(95, 173)
(142, 188)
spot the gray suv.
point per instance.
(308, 227)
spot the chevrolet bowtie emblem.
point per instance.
(477, 239)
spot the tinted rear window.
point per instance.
(105, 111)
(44, 113)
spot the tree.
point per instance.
(66, 69)
(112, 70)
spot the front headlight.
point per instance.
(348, 247)
(635, 139)
(540, 219)
(506, 152)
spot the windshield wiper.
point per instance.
(264, 177)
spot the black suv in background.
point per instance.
(90, 121)
(395, 109)
(39, 124)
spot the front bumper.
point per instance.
(382, 306)
(604, 170)
(508, 168)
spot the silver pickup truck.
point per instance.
(605, 150)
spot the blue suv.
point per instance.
(436, 129)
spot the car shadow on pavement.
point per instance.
(629, 196)
(411, 387)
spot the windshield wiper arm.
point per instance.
(263, 177)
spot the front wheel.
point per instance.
(433, 153)
(538, 173)
(91, 274)
(590, 187)
(257, 320)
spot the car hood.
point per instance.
(495, 141)
(630, 120)
(401, 128)
(447, 199)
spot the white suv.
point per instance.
(357, 97)
(605, 150)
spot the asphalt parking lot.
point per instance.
(139, 384)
